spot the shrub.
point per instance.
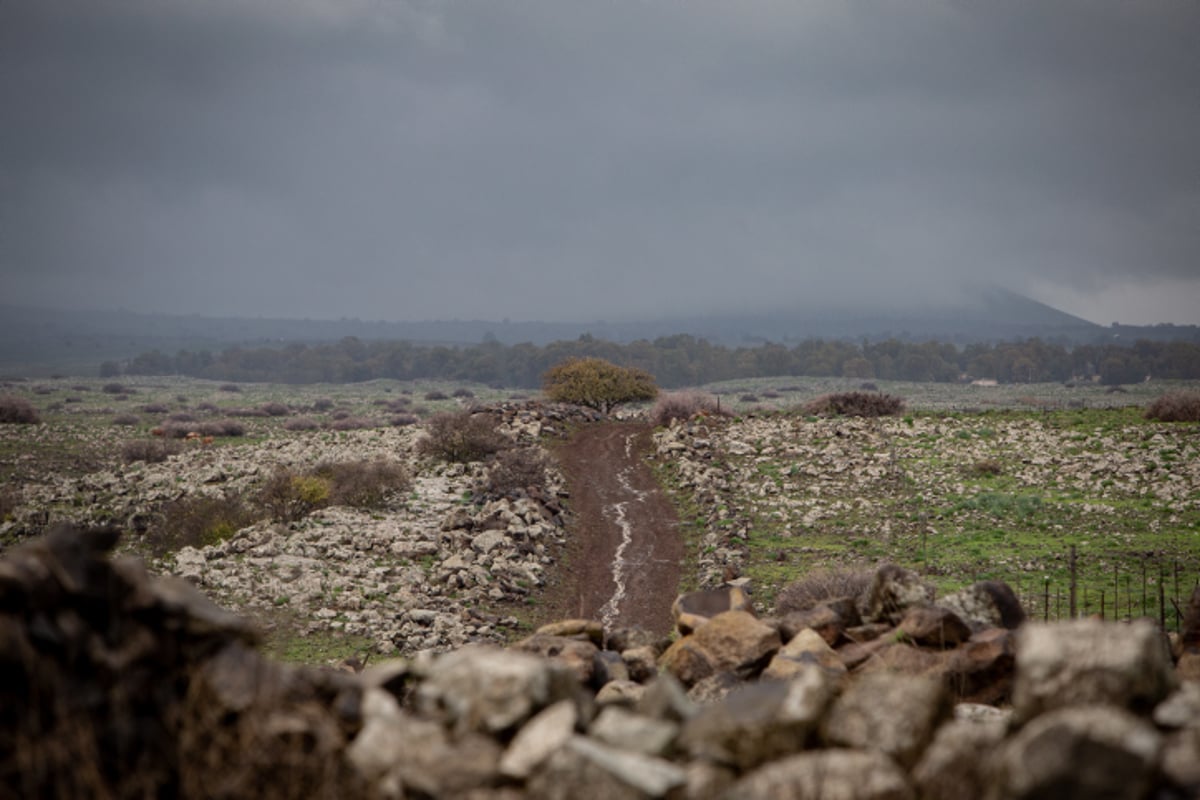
(436, 395)
(275, 409)
(821, 585)
(462, 392)
(247, 413)
(856, 404)
(199, 521)
(301, 424)
(10, 500)
(182, 416)
(462, 437)
(16, 410)
(598, 384)
(1175, 407)
(403, 420)
(230, 387)
(224, 427)
(353, 423)
(43, 390)
(770, 394)
(748, 398)
(287, 496)
(207, 406)
(151, 451)
(154, 408)
(113, 388)
(986, 467)
(516, 471)
(868, 387)
(322, 404)
(681, 405)
(364, 484)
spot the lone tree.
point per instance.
(598, 384)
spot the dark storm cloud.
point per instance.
(538, 159)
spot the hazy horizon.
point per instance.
(412, 160)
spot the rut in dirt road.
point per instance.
(626, 550)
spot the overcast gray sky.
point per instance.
(583, 159)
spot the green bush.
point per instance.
(1175, 407)
(462, 437)
(17, 411)
(598, 384)
(288, 497)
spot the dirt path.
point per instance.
(623, 562)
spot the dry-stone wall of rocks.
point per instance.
(118, 684)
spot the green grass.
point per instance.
(1072, 477)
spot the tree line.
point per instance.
(680, 360)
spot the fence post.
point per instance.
(1046, 601)
(1073, 577)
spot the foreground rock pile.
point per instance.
(117, 684)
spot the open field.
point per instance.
(958, 495)
(969, 483)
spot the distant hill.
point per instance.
(41, 341)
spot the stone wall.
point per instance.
(114, 683)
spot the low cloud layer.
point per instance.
(535, 159)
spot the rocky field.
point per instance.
(770, 495)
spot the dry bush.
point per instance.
(462, 437)
(820, 585)
(301, 424)
(748, 398)
(154, 408)
(199, 521)
(275, 409)
(1175, 407)
(868, 386)
(856, 404)
(436, 395)
(230, 387)
(353, 423)
(16, 410)
(322, 404)
(403, 420)
(127, 419)
(151, 451)
(364, 484)
(681, 405)
(986, 467)
(207, 406)
(516, 471)
(222, 427)
(770, 394)
(181, 416)
(10, 500)
(114, 388)
(462, 392)
(256, 413)
(287, 496)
